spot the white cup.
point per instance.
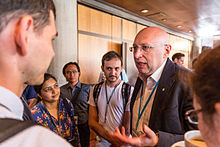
(194, 139)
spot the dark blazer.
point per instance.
(172, 100)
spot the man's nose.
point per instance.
(138, 53)
(112, 72)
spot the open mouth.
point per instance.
(141, 64)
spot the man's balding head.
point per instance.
(154, 34)
(151, 49)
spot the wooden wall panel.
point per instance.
(181, 45)
(116, 27)
(115, 46)
(91, 50)
(94, 21)
(129, 30)
(84, 18)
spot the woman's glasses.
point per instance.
(192, 116)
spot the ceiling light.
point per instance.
(164, 19)
(190, 31)
(179, 26)
(144, 11)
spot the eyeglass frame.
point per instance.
(191, 113)
(148, 47)
(69, 72)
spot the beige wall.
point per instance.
(181, 45)
(65, 45)
(98, 33)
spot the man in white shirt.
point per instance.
(27, 28)
(108, 107)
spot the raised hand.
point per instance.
(149, 138)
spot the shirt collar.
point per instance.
(156, 75)
(12, 102)
(78, 85)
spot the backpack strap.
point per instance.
(96, 92)
(121, 76)
(125, 90)
(10, 127)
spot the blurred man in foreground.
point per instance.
(27, 28)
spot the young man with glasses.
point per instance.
(109, 101)
(159, 101)
(78, 93)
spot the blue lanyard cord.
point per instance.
(140, 112)
(108, 100)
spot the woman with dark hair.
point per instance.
(53, 112)
(205, 81)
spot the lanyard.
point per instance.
(108, 100)
(140, 112)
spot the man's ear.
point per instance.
(175, 60)
(24, 28)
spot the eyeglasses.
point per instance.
(49, 89)
(144, 48)
(69, 72)
(192, 116)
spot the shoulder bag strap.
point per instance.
(10, 127)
